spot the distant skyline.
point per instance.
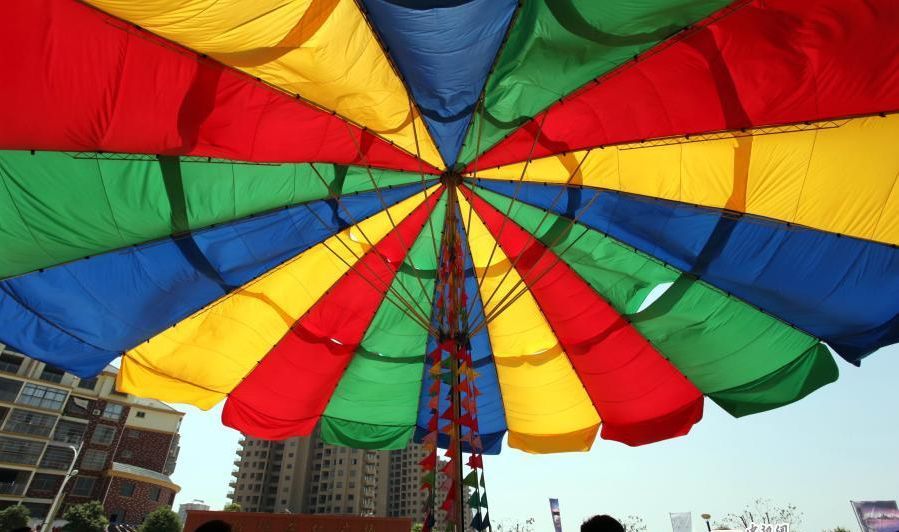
(839, 444)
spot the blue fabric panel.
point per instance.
(491, 415)
(81, 315)
(444, 50)
(840, 289)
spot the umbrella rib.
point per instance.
(374, 183)
(510, 300)
(418, 319)
(515, 193)
(471, 306)
(368, 241)
(534, 232)
(422, 174)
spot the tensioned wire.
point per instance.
(537, 230)
(419, 314)
(399, 236)
(515, 194)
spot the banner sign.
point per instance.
(681, 522)
(876, 516)
(554, 510)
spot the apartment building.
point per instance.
(306, 475)
(405, 496)
(124, 447)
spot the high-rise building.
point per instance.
(306, 475)
(194, 505)
(405, 497)
(126, 446)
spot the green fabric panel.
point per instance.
(741, 357)
(365, 435)
(794, 381)
(377, 396)
(554, 47)
(57, 207)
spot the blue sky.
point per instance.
(840, 443)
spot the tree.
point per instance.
(232, 507)
(161, 519)
(14, 517)
(633, 523)
(87, 517)
(838, 529)
(417, 527)
(763, 511)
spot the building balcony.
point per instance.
(12, 488)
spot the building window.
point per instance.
(78, 407)
(52, 374)
(93, 459)
(45, 482)
(87, 384)
(42, 396)
(103, 435)
(155, 491)
(133, 434)
(69, 431)
(17, 451)
(141, 414)
(126, 489)
(113, 411)
(9, 389)
(10, 363)
(25, 422)
(126, 454)
(83, 486)
(57, 458)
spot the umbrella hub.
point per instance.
(451, 178)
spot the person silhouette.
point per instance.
(601, 523)
(214, 526)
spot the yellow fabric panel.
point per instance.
(547, 408)
(841, 179)
(323, 50)
(202, 358)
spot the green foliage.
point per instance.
(763, 511)
(161, 519)
(87, 517)
(231, 507)
(838, 529)
(14, 517)
(416, 527)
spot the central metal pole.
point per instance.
(455, 304)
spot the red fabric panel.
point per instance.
(287, 392)
(640, 396)
(76, 79)
(768, 62)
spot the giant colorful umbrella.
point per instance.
(452, 220)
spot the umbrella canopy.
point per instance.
(639, 204)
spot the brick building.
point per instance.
(129, 445)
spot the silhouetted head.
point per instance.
(602, 523)
(214, 526)
(21, 529)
